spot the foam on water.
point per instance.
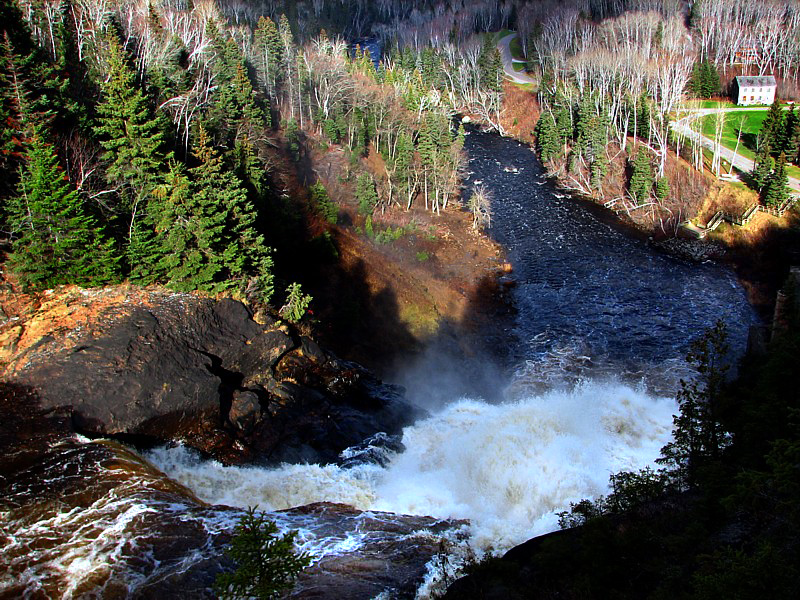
(508, 468)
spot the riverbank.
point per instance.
(761, 254)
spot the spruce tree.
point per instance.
(490, 65)
(268, 55)
(762, 167)
(641, 178)
(224, 248)
(662, 189)
(776, 190)
(772, 128)
(366, 195)
(57, 242)
(791, 135)
(131, 137)
(564, 126)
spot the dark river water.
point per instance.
(593, 299)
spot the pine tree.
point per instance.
(776, 190)
(131, 137)
(763, 166)
(366, 195)
(662, 189)
(57, 242)
(641, 178)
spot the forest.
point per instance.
(142, 104)
(144, 140)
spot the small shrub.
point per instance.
(296, 303)
(423, 256)
(266, 564)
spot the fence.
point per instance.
(743, 219)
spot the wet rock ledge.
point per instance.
(153, 366)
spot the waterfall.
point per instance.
(508, 467)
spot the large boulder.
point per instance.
(163, 366)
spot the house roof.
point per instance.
(761, 81)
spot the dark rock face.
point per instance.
(200, 371)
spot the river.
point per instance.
(603, 322)
(594, 300)
(602, 326)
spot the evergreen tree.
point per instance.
(763, 166)
(131, 137)
(698, 437)
(366, 195)
(662, 189)
(772, 128)
(586, 120)
(268, 55)
(564, 124)
(645, 111)
(705, 80)
(776, 190)
(695, 13)
(490, 64)
(791, 135)
(322, 202)
(641, 177)
(57, 242)
(266, 564)
(223, 231)
(296, 303)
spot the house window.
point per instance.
(752, 98)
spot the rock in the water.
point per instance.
(245, 410)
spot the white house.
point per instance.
(755, 90)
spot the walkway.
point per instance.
(504, 45)
(740, 162)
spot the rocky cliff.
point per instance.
(161, 366)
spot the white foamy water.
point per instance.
(508, 468)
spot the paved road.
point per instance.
(737, 160)
(504, 45)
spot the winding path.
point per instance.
(740, 162)
(504, 45)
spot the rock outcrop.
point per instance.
(93, 519)
(164, 366)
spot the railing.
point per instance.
(747, 216)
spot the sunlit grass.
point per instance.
(750, 123)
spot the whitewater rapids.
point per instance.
(509, 468)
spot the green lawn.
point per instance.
(516, 49)
(711, 104)
(750, 123)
